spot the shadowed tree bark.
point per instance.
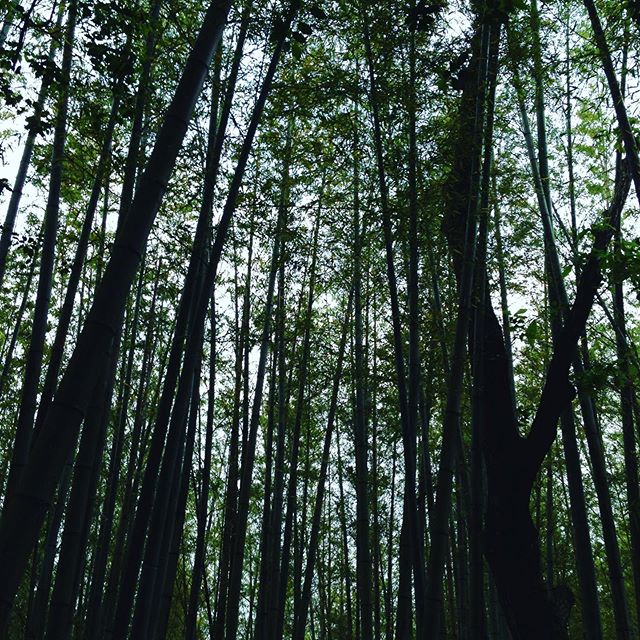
(512, 461)
(35, 356)
(25, 512)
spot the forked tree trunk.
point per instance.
(512, 462)
(559, 295)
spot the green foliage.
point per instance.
(321, 101)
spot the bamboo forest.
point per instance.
(319, 319)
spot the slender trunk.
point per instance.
(271, 595)
(235, 574)
(261, 621)
(59, 432)
(628, 432)
(199, 566)
(27, 153)
(414, 384)
(473, 103)
(388, 602)
(379, 589)
(132, 160)
(231, 494)
(150, 573)
(80, 508)
(282, 581)
(504, 299)
(190, 322)
(19, 316)
(238, 546)
(231, 498)
(35, 355)
(363, 557)
(139, 438)
(346, 566)
(174, 523)
(95, 598)
(37, 616)
(199, 554)
(408, 426)
(163, 512)
(624, 126)
(312, 547)
(66, 311)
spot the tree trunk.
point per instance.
(312, 547)
(413, 547)
(464, 257)
(35, 355)
(24, 514)
(27, 152)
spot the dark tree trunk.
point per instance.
(66, 311)
(35, 355)
(27, 153)
(413, 547)
(512, 462)
(282, 581)
(312, 548)
(559, 298)
(25, 512)
(472, 112)
(199, 567)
